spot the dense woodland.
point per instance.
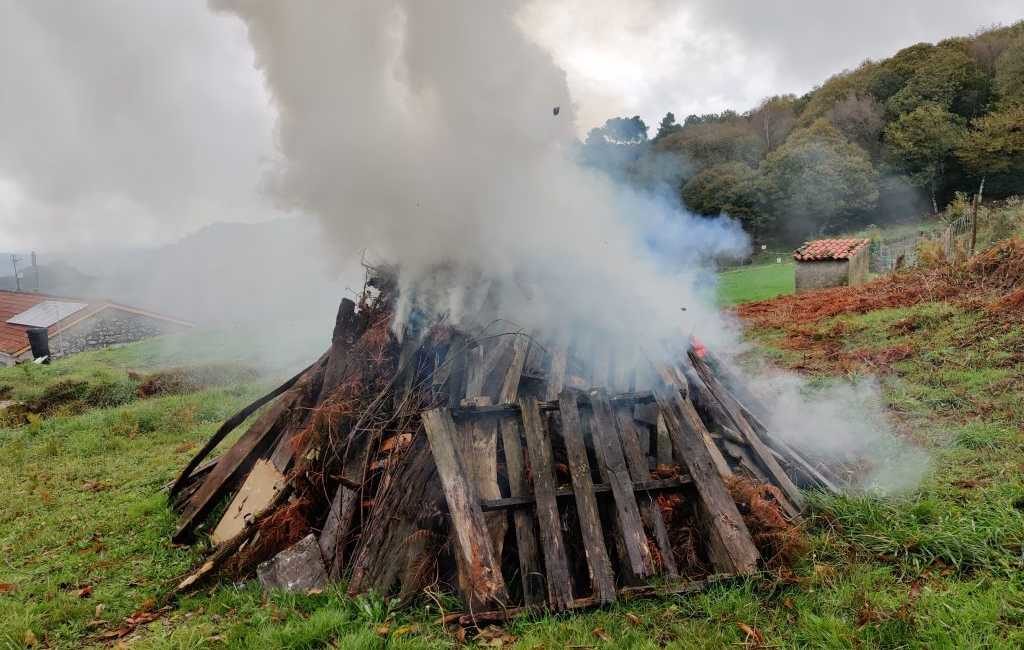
(889, 140)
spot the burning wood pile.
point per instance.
(521, 472)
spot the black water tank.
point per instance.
(39, 339)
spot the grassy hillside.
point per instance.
(758, 282)
(84, 525)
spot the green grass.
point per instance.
(750, 283)
(939, 567)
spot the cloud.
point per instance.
(653, 56)
(126, 123)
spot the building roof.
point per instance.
(829, 249)
(14, 337)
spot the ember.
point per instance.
(519, 472)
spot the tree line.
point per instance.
(890, 138)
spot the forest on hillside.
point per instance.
(891, 139)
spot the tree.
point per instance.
(816, 180)
(860, 118)
(616, 145)
(922, 142)
(774, 119)
(704, 143)
(729, 188)
(1009, 74)
(620, 130)
(667, 126)
(996, 143)
(949, 77)
(890, 75)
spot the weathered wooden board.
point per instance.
(258, 491)
(556, 563)
(757, 446)
(557, 372)
(601, 576)
(526, 538)
(478, 442)
(242, 453)
(664, 447)
(608, 448)
(509, 393)
(566, 494)
(485, 582)
(636, 460)
(729, 543)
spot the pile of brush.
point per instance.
(518, 472)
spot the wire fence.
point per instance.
(956, 239)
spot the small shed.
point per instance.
(831, 263)
(74, 325)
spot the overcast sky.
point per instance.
(133, 123)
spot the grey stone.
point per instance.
(299, 568)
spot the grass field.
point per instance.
(84, 525)
(755, 283)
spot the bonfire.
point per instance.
(516, 471)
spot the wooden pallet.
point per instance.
(608, 494)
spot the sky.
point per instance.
(126, 123)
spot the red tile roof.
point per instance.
(14, 338)
(829, 249)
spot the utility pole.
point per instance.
(35, 268)
(14, 263)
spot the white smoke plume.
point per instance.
(425, 134)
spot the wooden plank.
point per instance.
(757, 446)
(608, 448)
(557, 372)
(653, 485)
(334, 537)
(479, 446)
(249, 446)
(556, 565)
(475, 407)
(636, 459)
(693, 421)
(258, 491)
(383, 552)
(673, 376)
(475, 371)
(474, 545)
(664, 445)
(601, 576)
(496, 365)
(509, 393)
(729, 544)
(526, 538)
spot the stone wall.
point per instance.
(859, 267)
(112, 326)
(819, 275)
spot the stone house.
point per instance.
(831, 263)
(74, 325)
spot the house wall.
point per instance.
(111, 326)
(859, 267)
(818, 275)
